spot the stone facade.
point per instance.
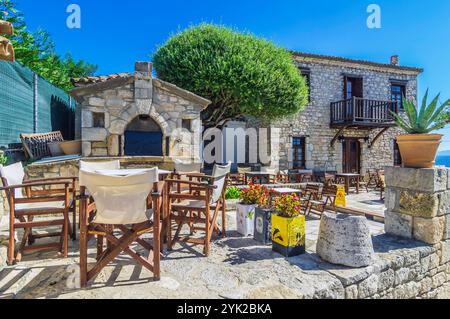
(326, 86)
(107, 106)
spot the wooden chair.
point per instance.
(372, 177)
(273, 174)
(239, 177)
(201, 208)
(283, 177)
(187, 167)
(35, 145)
(42, 197)
(120, 206)
(326, 199)
(364, 182)
(311, 192)
(381, 185)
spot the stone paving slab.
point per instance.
(237, 268)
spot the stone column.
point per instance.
(418, 204)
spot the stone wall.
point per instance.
(71, 167)
(418, 207)
(118, 101)
(326, 86)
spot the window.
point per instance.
(186, 124)
(306, 73)
(98, 119)
(353, 87)
(299, 156)
(398, 91)
(397, 156)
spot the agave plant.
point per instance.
(429, 118)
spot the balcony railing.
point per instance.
(363, 112)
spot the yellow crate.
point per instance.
(288, 235)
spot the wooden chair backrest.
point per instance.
(121, 200)
(35, 145)
(243, 170)
(187, 167)
(220, 174)
(13, 175)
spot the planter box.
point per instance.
(288, 235)
(231, 204)
(263, 226)
(245, 219)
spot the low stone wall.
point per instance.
(71, 167)
(405, 269)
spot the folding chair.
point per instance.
(195, 208)
(121, 205)
(42, 197)
(326, 199)
(273, 174)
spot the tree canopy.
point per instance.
(241, 74)
(36, 50)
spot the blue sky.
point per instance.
(114, 34)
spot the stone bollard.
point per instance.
(345, 240)
(418, 203)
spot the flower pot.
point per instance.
(419, 150)
(288, 235)
(263, 226)
(245, 219)
(71, 147)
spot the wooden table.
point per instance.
(348, 177)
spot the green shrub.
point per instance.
(426, 119)
(233, 193)
(3, 158)
(240, 73)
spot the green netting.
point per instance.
(16, 102)
(55, 109)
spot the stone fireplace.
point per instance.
(137, 115)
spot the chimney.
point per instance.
(394, 60)
(143, 69)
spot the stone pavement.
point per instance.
(369, 202)
(237, 268)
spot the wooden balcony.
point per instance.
(362, 113)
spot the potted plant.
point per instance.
(263, 218)
(288, 226)
(245, 209)
(418, 148)
(232, 196)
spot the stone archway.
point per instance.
(143, 136)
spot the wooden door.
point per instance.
(351, 157)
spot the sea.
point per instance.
(443, 160)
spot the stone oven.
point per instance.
(137, 115)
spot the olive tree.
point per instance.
(241, 74)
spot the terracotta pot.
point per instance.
(71, 147)
(419, 150)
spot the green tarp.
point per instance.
(22, 112)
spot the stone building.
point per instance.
(137, 115)
(347, 125)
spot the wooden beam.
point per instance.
(333, 141)
(378, 136)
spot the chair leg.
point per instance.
(224, 220)
(74, 222)
(83, 254)
(65, 248)
(99, 246)
(11, 248)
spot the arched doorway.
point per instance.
(143, 137)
